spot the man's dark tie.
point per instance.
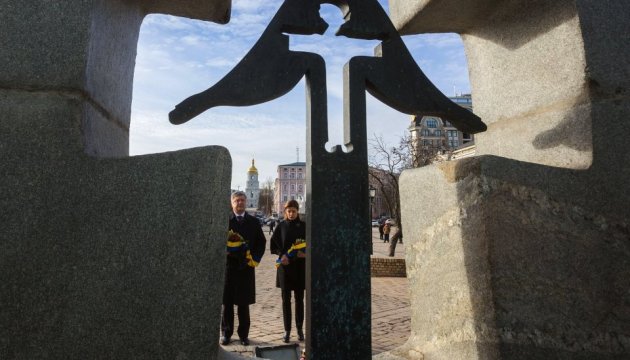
(239, 219)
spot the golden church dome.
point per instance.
(252, 169)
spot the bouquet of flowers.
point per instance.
(237, 246)
(298, 245)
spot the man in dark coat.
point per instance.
(242, 257)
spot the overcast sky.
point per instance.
(180, 57)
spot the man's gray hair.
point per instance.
(238, 194)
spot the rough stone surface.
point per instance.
(116, 258)
(90, 54)
(503, 270)
(523, 50)
(545, 123)
(526, 255)
(427, 16)
(104, 258)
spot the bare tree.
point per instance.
(265, 200)
(422, 152)
(387, 163)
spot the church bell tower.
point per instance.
(252, 189)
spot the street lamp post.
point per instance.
(372, 196)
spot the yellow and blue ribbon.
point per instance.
(236, 244)
(298, 245)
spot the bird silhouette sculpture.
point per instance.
(270, 69)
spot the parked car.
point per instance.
(375, 223)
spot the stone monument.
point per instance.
(524, 251)
(102, 255)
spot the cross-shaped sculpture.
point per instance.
(338, 264)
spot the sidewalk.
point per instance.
(390, 307)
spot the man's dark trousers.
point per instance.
(227, 321)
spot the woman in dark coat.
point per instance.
(289, 243)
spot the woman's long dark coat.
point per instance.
(292, 276)
(240, 279)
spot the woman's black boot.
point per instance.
(285, 338)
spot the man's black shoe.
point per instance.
(245, 341)
(225, 340)
(300, 335)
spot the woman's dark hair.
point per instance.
(292, 203)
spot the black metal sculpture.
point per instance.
(338, 265)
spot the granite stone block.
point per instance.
(86, 48)
(503, 270)
(523, 251)
(102, 256)
(118, 258)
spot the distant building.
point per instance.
(467, 150)
(463, 100)
(252, 189)
(432, 134)
(290, 185)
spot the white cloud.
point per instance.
(255, 6)
(166, 22)
(218, 62)
(191, 40)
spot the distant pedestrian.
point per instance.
(381, 224)
(245, 247)
(289, 243)
(397, 237)
(272, 224)
(386, 230)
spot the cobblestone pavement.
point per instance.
(390, 308)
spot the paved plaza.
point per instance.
(390, 307)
